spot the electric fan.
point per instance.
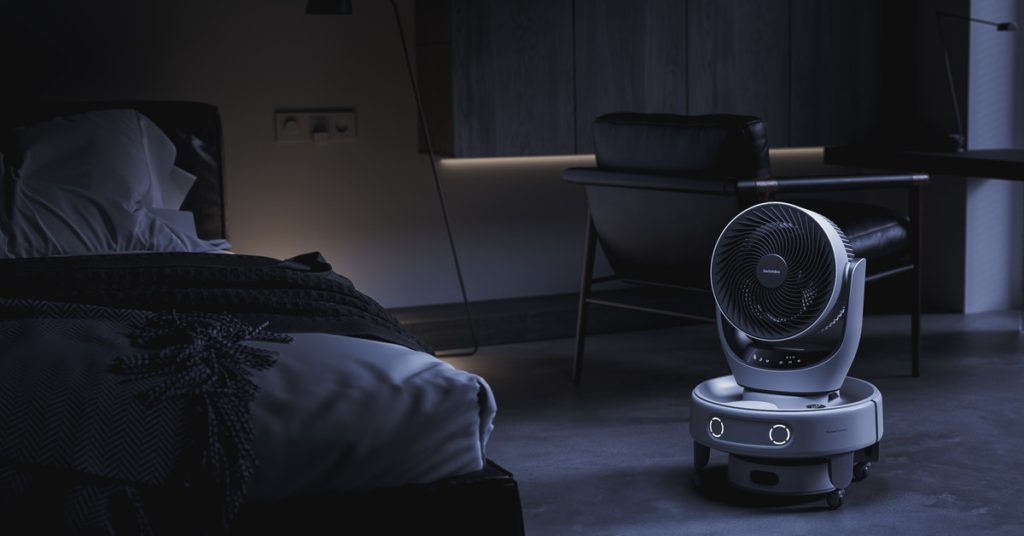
(789, 295)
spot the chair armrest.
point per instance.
(649, 181)
(831, 183)
(729, 186)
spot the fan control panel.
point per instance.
(782, 358)
(750, 432)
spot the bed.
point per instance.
(153, 382)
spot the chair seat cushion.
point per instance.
(875, 233)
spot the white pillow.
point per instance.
(94, 183)
(175, 187)
(112, 153)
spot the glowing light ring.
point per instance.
(772, 431)
(711, 427)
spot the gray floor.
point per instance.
(613, 455)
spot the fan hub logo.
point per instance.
(771, 271)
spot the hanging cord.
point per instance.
(440, 192)
(961, 139)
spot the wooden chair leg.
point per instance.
(581, 335)
(916, 208)
(915, 341)
(587, 279)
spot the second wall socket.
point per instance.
(315, 126)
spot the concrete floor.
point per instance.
(614, 455)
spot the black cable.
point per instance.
(961, 140)
(440, 192)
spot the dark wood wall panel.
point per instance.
(836, 82)
(529, 77)
(434, 72)
(630, 56)
(434, 78)
(738, 61)
(512, 74)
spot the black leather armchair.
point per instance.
(666, 185)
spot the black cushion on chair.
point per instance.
(720, 145)
(875, 233)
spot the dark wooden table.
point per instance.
(990, 163)
(1007, 164)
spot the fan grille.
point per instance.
(775, 311)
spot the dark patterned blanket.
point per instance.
(124, 386)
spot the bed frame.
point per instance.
(482, 502)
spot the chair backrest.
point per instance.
(662, 236)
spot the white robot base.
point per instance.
(786, 444)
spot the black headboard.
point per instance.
(195, 129)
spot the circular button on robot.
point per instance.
(779, 434)
(716, 427)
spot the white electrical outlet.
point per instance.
(342, 126)
(315, 126)
(291, 127)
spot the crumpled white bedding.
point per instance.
(97, 182)
(341, 414)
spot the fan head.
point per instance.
(777, 271)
